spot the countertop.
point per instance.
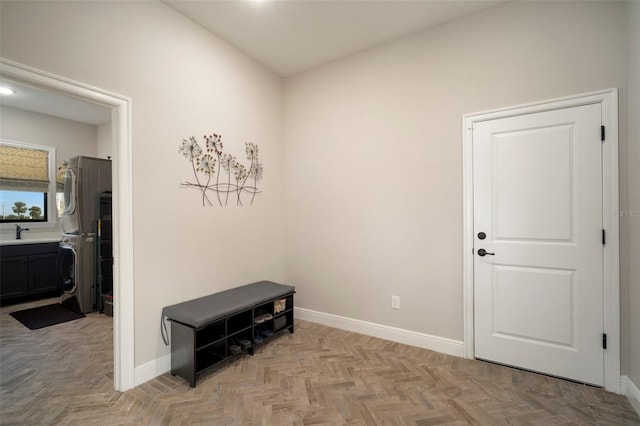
(15, 242)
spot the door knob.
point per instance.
(483, 252)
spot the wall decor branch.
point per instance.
(231, 177)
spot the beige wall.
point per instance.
(373, 159)
(630, 223)
(104, 143)
(70, 138)
(183, 82)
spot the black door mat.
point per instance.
(45, 316)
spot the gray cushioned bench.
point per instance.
(198, 312)
(207, 324)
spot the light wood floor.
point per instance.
(319, 375)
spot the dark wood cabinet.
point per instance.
(42, 273)
(14, 277)
(27, 269)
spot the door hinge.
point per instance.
(604, 341)
(602, 133)
(604, 239)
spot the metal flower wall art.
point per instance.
(221, 173)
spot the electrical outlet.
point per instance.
(395, 302)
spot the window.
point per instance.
(26, 180)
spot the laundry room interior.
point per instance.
(78, 137)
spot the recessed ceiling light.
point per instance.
(6, 91)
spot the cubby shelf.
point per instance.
(195, 350)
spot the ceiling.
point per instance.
(31, 98)
(290, 36)
(287, 36)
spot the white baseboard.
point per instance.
(407, 337)
(632, 392)
(152, 369)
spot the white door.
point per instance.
(538, 290)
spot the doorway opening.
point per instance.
(120, 106)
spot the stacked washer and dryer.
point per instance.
(86, 186)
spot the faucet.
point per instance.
(19, 230)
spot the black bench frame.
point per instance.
(201, 341)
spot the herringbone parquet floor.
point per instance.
(319, 375)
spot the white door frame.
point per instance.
(610, 204)
(123, 327)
